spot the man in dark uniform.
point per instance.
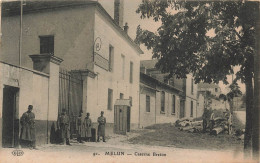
(28, 128)
(64, 126)
(101, 126)
(205, 119)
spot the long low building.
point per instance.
(165, 100)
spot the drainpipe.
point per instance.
(47, 139)
(21, 34)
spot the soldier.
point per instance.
(211, 119)
(101, 126)
(80, 128)
(28, 128)
(88, 126)
(64, 126)
(204, 118)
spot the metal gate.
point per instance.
(70, 95)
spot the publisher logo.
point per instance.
(17, 152)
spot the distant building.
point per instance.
(165, 100)
(101, 61)
(214, 89)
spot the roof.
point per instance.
(148, 64)
(207, 85)
(12, 8)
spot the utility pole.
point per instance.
(21, 34)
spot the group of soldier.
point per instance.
(84, 126)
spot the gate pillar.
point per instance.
(49, 64)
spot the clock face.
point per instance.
(98, 43)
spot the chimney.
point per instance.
(119, 12)
(126, 27)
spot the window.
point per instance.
(191, 109)
(147, 103)
(110, 99)
(173, 104)
(162, 102)
(121, 96)
(46, 44)
(111, 58)
(131, 100)
(216, 89)
(123, 66)
(131, 72)
(192, 86)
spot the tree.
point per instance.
(183, 44)
(234, 92)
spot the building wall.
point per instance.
(167, 116)
(200, 105)
(190, 96)
(33, 89)
(97, 88)
(73, 36)
(147, 118)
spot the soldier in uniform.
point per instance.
(101, 126)
(64, 126)
(204, 118)
(88, 126)
(28, 128)
(80, 128)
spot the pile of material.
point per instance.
(215, 127)
(189, 125)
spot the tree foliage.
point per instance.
(183, 43)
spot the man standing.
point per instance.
(88, 125)
(101, 126)
(80, 129)
(64, 126)
(204, 118)
(28, 128)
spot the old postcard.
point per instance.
(129, 81)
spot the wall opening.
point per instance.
(10, 123)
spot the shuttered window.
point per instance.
(191, 109)
(47, 45)
(110, 99)
(147, 103)
(173, 104)
(162, 101)
(111, 58)
(131, 72)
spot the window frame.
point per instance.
(162, 111)
(110, 99)
(148, 104)
(49, 49)
(131, 77)
(111, 58)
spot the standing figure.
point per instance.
(80, 129)
(88, 126)
(64, 126)
(211, 119)
(28, 128)
(204, 118)
(101, 126)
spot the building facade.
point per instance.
(90, 43)
(165, 100)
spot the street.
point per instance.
(117, 149)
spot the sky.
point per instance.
(133, 19)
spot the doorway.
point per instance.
(10, 123)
